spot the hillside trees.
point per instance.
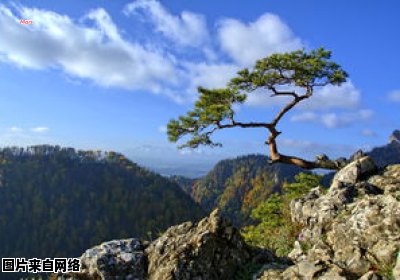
(274, 228)
(295, 74)
(57, 202)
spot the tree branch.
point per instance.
(289, 106)
(243, 125)
(275, 92)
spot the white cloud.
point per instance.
(188, 29)
(97, 53)
(15, 129)
(39, 129)
(346, 96)
(332, 120)
(245, 43)
(210, 75)
(263, 98)
(394, 96)
(305, 117)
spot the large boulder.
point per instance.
(212, 249)
(117, 258)
(352, 172)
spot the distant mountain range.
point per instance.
(56, 202)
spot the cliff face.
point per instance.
(352, 231)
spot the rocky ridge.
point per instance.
(351, 231)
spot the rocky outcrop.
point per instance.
(116, 257)
(351, 231)
(123, 258)
(211, 249)
(395, 137)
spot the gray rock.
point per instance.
(355, 170)
(123, 258)
(388, 181)
(116, 259)
(371, 275)
(212, 249)
(297, 253)
(307, 269)
(316, 210)
(320, 252)
(271, 271)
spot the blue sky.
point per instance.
(110, 74)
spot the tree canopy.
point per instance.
(295, 74)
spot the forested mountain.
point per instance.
(238, 185)
(185, 183)
(57, 202)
